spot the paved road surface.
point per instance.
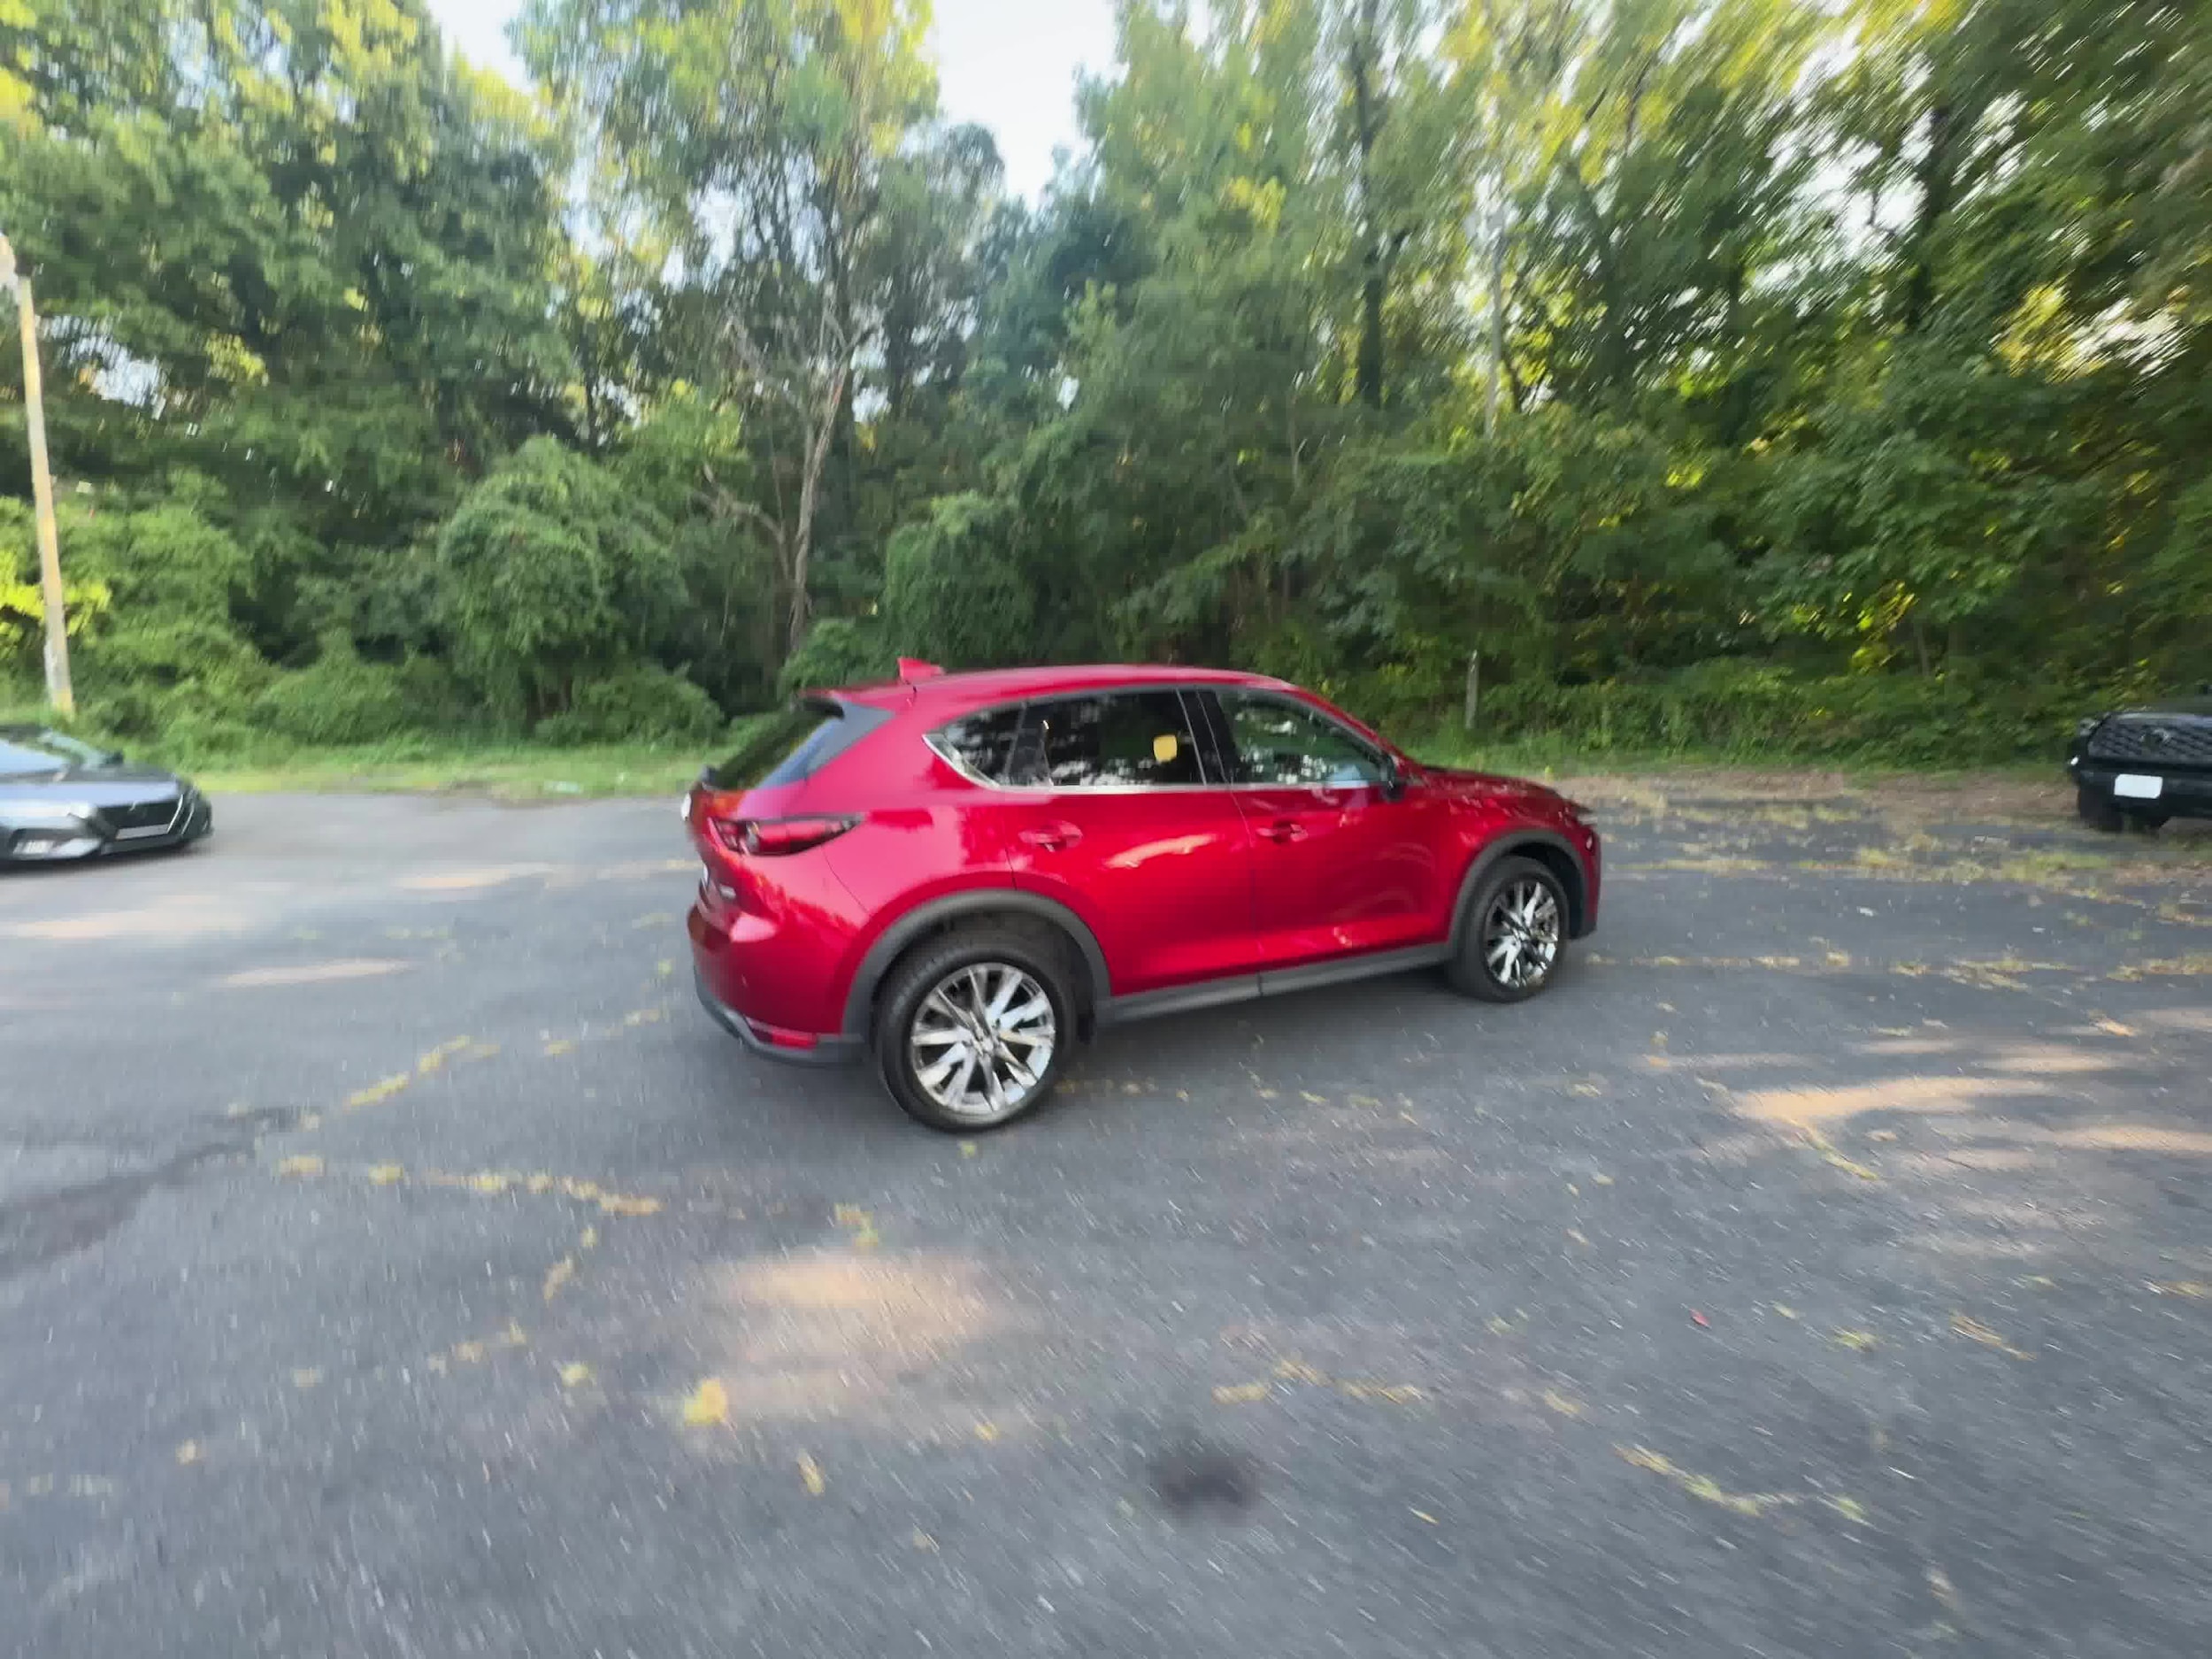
(394, 1261)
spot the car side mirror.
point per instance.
(1393, 784)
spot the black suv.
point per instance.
(2141, 766)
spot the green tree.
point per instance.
(552, 575)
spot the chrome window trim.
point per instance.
(934, 737)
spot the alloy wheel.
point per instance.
(981, 1042)
(1520, 933)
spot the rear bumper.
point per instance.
(2181, 792)
(818, 1050)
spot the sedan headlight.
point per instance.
(49, 811)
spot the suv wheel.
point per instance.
(2098, 812)
(974, 1029)
(1517, 928)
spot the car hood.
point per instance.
(96, 784)
(2201, 707)
(1487, 786)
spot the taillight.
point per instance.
(777, 837)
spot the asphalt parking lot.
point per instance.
(394, 1260)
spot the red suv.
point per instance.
(965, 873)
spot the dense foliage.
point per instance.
(1757, 372)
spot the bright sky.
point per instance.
(1009, 65)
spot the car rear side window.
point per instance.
(982, 744)
(1129, 740)
(807, 739)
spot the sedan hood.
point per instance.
(100, 785)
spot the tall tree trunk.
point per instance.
(1366, 123)
(1938, 179)
(809, 499)
(1497, 315)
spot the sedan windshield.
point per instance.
(27, 754)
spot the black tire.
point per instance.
(2147, 823)
(1475, 971)
(943, 963)
(2098, 812)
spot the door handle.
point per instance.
(1283, 829)
(1052, 838)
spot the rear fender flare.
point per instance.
(927, 917)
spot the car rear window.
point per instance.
(796, 745)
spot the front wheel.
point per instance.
(974, 1029)
(2098, 812)
(1517, 928)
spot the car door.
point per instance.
(1128, 830)
(1342, 864)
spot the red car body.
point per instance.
(879, 833)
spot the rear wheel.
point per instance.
(1516, 928)
(2098, 812)
(974, 1028)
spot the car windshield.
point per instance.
(27, 754)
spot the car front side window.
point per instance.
(1277, 743)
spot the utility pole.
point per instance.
(59, 694)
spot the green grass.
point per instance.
(1553, 756)
(517, 772)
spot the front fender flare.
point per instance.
(1507, 845)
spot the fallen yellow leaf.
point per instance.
(385, 1174)
(1863, 1341)
(1240, 1393)
(1563, 1405)
(307, 1377)
(1974, 1330)
(1396, 1394)
(189, 1453)
(559, 1046)
(435, 1059)
(376, 1092)
(710, 1404)
(558, 1275)
(811, 1476)
(575, 1375)
(300, 1164)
